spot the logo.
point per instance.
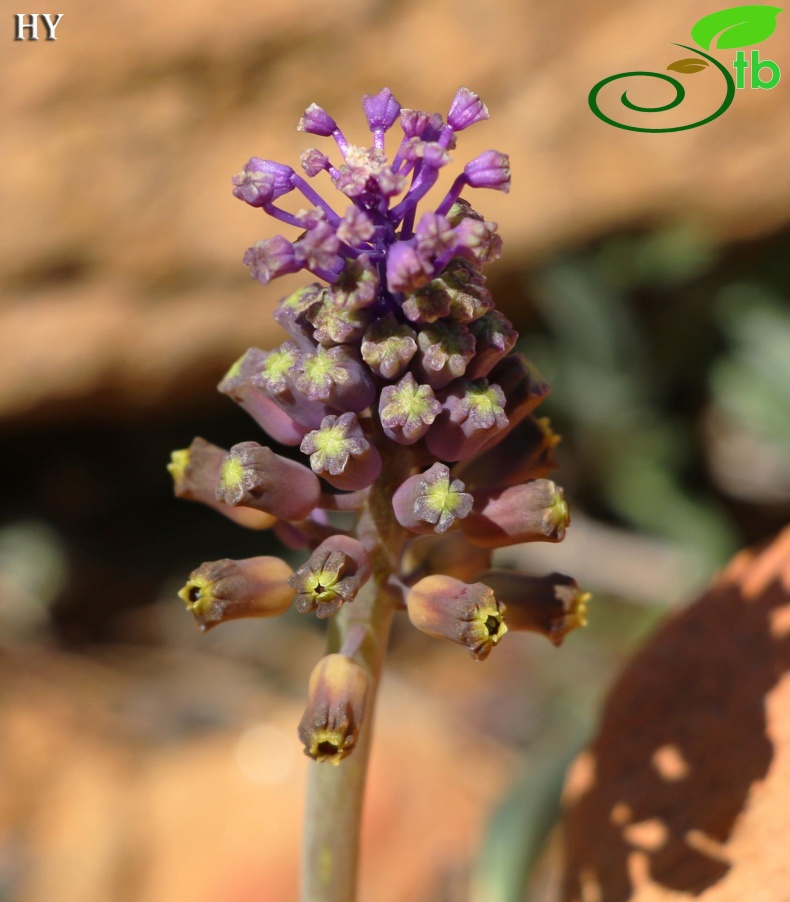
(728, 29)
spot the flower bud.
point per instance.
(196, 472)
(466, 109)
(473, 413)
(276, 378)
(447, 608)
(553, 605)
(314, 161)
(335, 377)
(430, 502)
(526, 453)
(381, 110)
(271, 258)
(449, 554)
(407, 268)
(333, 575)
(262, 181)
(490, 170)
(407, 409)
(254, 476)
(335, 708)
(533, 512)
(445, 349)
(494, 338)
(388, 347)
(316, 121)
(238, 384)
(232, 590)
(340, 453)
(523, 387)
(417, 124)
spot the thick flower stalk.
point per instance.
(399, 398)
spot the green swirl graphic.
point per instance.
(680, 94)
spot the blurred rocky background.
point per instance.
(648, 275)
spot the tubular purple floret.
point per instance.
(254, 476)
(552, 605)
(444, 351)
(407, 410)
(276, 379)
(469, 615)
(473, 414)
(495, 337)
(388, 347)
(314, 161)
(336, 700)
(431, 502)
(332, 576)
(381, 111)
(336, 377)
(533, 512)
(237, 384)
(341, 454)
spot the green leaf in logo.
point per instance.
(738, 26)
(688, 65)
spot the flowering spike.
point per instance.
(553, 605)
(232, 590)
(335, 572)
(430, 501)
(468, 615)
(335, 709)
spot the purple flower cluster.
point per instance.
(396, 361)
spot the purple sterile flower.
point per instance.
(341, 454)
(381, 110)
(271, 258)
(313, 162)
(490, 170)
(318, 248)
(431, 501)
(316, 121)
(407, 409)
(416, 124)
(466, 109)
(262, 181)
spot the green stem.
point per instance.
(330, 848)
(360, 630)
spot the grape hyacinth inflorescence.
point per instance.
(402, 401)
